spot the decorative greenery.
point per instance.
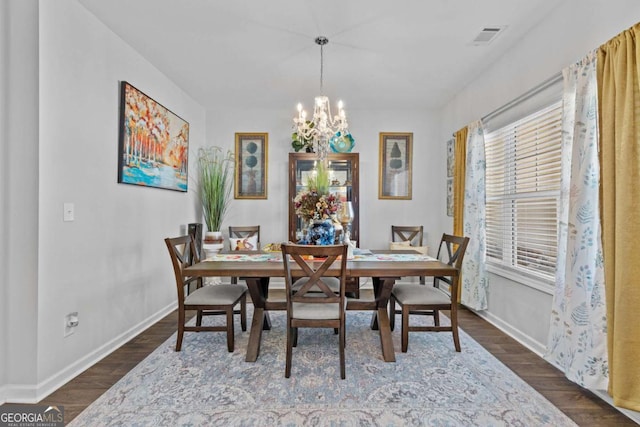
(298, 143)
(214, 168)
(319, 181)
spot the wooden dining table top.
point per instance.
(248, 266)
(383, 266)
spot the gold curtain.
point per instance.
(619, 108)
(460, 157)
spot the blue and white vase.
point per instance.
(320, 232)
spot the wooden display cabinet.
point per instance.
(344, 182)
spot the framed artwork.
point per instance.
(451, 149)
(251, 165)
(450, 196)
(394, 177)
(154, 143)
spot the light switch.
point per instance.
(69, 212)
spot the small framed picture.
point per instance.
(451, 146)
(251, 165)
(394, 177)
(450, 196)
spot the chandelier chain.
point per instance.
(321, 69)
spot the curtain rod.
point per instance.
(528, 94)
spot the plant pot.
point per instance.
(213, 237)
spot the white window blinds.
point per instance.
(523, 189)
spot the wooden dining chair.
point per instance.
(407, 233)
(245, 233)
(312, 300)
(206, 300)
(413, 234)
(430, 300)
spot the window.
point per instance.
(523, 190)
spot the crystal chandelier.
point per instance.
(323, 128)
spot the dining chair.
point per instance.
(315, 296)
(206, 300)
(430, 300)
(250, 235)
(413, 234)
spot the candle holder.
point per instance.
(346, 217)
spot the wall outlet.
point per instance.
(70, 323)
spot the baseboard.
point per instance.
(17, 393)
(524, 339)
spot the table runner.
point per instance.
(277, 257)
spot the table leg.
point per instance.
(376, 291)
(380, 318)
(258, 289)
(386, 341)
(264, 286)
(255, 336)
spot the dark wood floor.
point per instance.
(580, 405)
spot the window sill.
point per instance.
(541, 285)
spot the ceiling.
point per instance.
(380, 55)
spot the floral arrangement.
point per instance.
(311, 205)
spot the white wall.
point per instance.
(4, 226)
(565, 36)
(110, 264)
(19, 193)
(427, 206)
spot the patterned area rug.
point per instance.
(430, 385)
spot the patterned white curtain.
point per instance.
(577, 341)
(474, 270)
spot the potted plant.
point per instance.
(215, 185)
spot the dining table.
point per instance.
(383, 266)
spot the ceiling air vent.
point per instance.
(487, 35)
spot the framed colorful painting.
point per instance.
(251, 165)
(394, 177)
(154, 143)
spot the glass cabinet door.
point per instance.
(343, 180)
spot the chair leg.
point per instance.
(392, 312)
(454, 327)
(199, 318)
(180, 329)
(405, 328)
(230, 331)
(436, 317)
(295, 337)
(243, 313)
(342, 345)
(290, 338)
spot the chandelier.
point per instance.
(323, 130)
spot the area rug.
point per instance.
(430, 385)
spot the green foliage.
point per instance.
(319, 182)
(298, 142)
(214, 170)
